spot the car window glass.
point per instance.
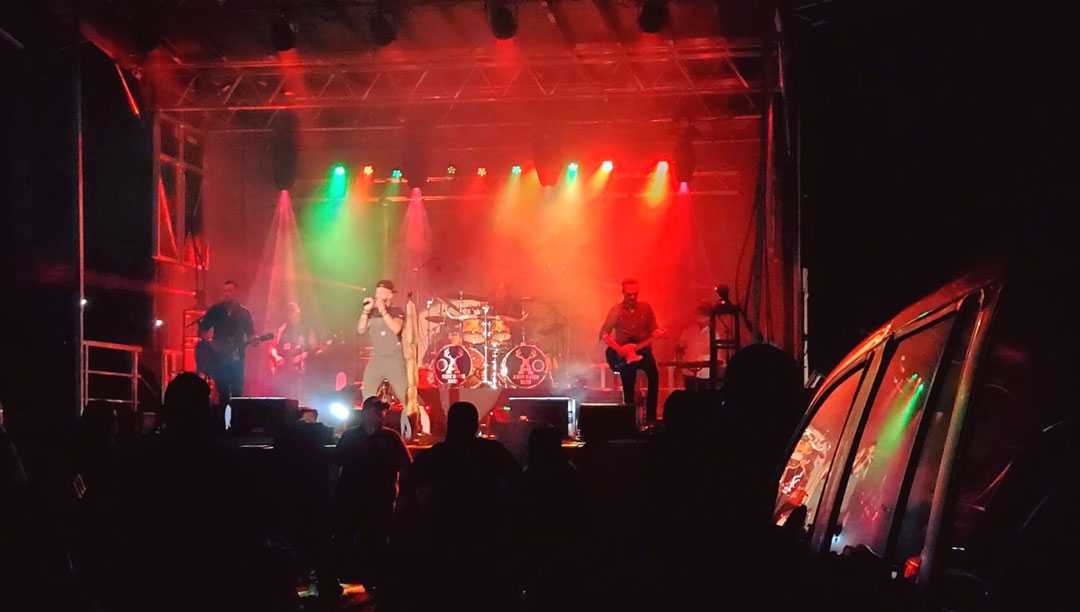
(916, 515)
(805, 474)
(880, 461)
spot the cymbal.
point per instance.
(466, 303)
(435, 319)
(465, 296)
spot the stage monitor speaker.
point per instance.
(559, 412)
(600, 422)
(267, 414)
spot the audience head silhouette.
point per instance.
(371, 414)
(761, 377)
(187, 406)
(545, 447)
(462, 422)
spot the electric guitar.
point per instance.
(296, 360)
(209, 354)
(621, 355)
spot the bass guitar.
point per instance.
(296, 359)
(621, 355)
(210, 354)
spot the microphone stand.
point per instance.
(722, 308)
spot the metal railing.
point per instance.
(90, 346)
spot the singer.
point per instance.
(383, 324)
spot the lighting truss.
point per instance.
(704, 78)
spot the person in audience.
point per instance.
(189, 541)
(371, 458)
(303, 500)
(454, 521)
(550, 507)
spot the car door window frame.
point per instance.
(857, 420)
(857, 369)
(966, 313)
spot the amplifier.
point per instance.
(268, 414)
(600, 422)
(559, 412)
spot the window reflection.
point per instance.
(881, 458)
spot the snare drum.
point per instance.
(458, 366)
(526, 367)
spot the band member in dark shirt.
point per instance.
(293, 344)
(633, 322)
(232, 329)
(383, 324)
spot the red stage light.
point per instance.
(369, 170)
(481, 171)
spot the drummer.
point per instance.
(506, 304)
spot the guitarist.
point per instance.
(293, 344)
(633, 322)
(232, 329)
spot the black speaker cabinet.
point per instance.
(600, 422)
(559, 412)
(267, 414)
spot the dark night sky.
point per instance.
(933, 140)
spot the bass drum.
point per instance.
(458, 366)
(526, 367)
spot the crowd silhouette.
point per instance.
(187, 518)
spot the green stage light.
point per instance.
(515, 170)
(395, 173)
(339, 169)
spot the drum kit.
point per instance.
(478, 347)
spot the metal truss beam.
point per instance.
(698, 79)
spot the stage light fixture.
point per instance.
(654, 16)
(339, 411)
(396, 173)
(339, 170)
(571, 169)
(451, 170)
(607, 166)
(548, 154)
(481, 171)
(515, 170)
(662, 166)
(502, 19)
(684, 157)
(282, 33)
(83, 302)
(158, 323)
(284, 152)
(369, 170)
(382, 25)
